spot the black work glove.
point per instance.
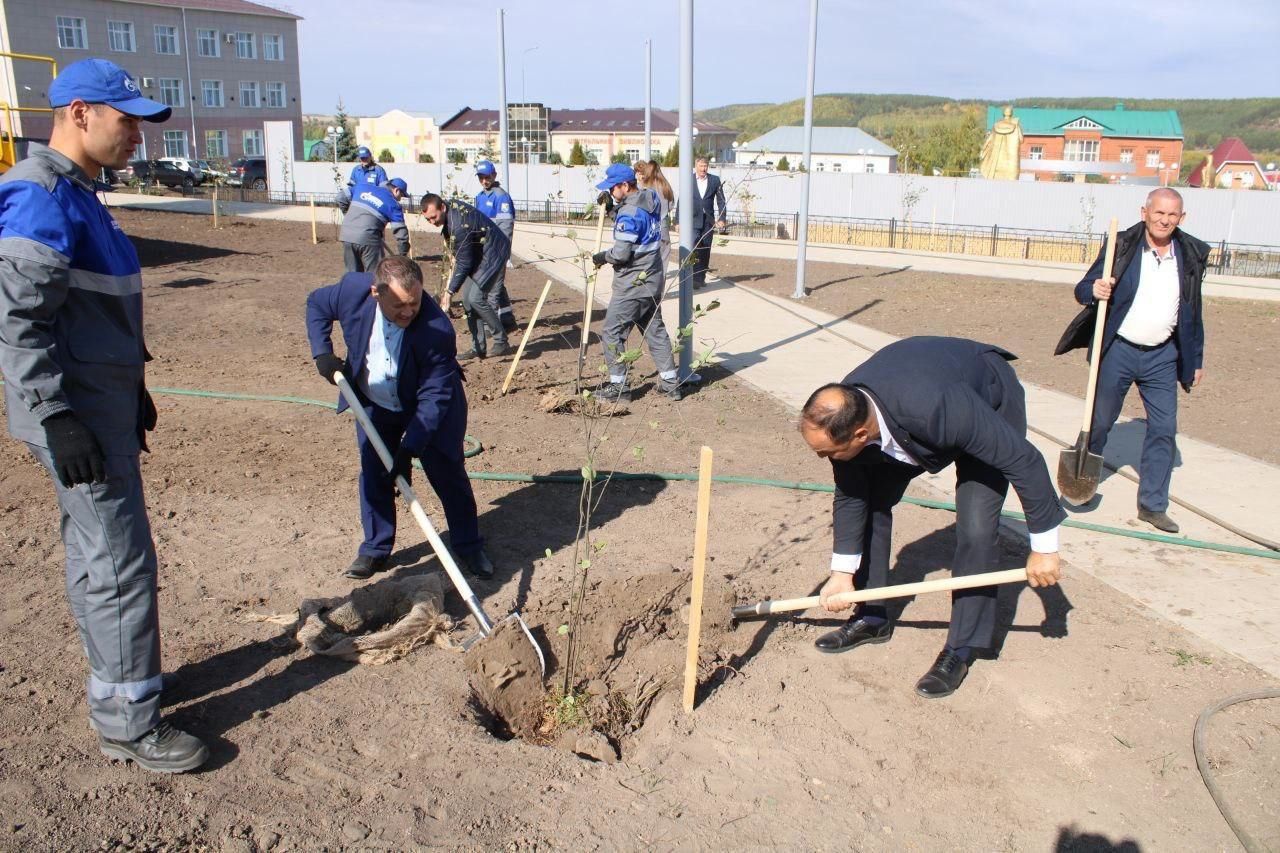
(328, 364)
(402, 465)
(77, 456)
(599, 259)
(605, 198)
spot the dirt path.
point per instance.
(1236, 406)
(1077, 737)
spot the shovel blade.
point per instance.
(1078, 474)
(482, 635)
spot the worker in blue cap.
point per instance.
(366, 171)
(371, 210)
(637, 284)
(495, 202)
(72, 354)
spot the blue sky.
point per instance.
(438, 56)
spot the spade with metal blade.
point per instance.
(485, 624)
(1078, 469)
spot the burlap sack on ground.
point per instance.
(375, 624)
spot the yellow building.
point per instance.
(406, 134)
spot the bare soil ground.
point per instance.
(1235, 407)
(1076, 738)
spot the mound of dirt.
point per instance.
(507, 679)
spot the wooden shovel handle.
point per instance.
(787, 605)
(1100, 322)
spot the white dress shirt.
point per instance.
(1041, 543)
(1154, 312)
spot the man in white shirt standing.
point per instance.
(1154, 338)
(921, 404)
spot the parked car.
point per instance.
(210, 172)
(249, 172)
(186, 165)
(162, 172)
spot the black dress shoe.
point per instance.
(477, 564)
(471, 355)
(364, 567)
(1158, 520)
(856, 632)
(942, 679)
(500, 351)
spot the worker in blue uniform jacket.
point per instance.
(367, 217)
(366, 172)
(402, 362)
(73, 356)
(495, 202)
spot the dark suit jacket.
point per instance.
(704, 208)
(1188, 332)
(939, 399)
(429, 382)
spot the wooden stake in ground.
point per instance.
(528, 332)
(589, 305)
(699, 566)
(315, 238)
(215, 207)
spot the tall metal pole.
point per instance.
(505, 144)
(687, 184)
(648, 99)
(802, 239)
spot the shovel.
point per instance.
(483, 621)
(1078, 469)
(902, 590)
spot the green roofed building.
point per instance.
(1117, 145)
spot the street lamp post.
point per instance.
(332, 135)
(524, 140)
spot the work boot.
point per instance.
(470, 355)
(364, 567)
(499, 350)
(164, 749)
(671, 387)
(613, 392)
(1158, 520)
(477, 564)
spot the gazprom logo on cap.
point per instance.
(130, 85)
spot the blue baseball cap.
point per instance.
(363, 152)
(399, 184)
(617, 173)
(97, 81)
(484, 167)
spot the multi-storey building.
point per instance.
(225, 66)
(1134, 146)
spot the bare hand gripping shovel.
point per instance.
(442, 553)
(1078, 469)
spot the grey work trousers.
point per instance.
(111, 586)
(482, 319)
(636, 304)
(361, 258)
(499, 299)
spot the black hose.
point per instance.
(1251, 844)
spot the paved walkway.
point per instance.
(786, 349)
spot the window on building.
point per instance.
(207, 43)
(1246, 179)
(249, 94)
(836, 167)
(166, 40)
(246, 47)
(215, 143)
(273, 47)
(451, 154)
(1083, 124)
(175, 143)
(171, 92)
(275, 95)
(1081, 151)
(252, 140)
(120, 37)
(72, 33)
(870, 168)
(1126, 155)
(1037, 152)
(633, 155)
(820, 167)
(1153, 158)
(211, 93)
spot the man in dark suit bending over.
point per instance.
(918, 405)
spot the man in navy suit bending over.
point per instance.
(919, 405)
(402, 362)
